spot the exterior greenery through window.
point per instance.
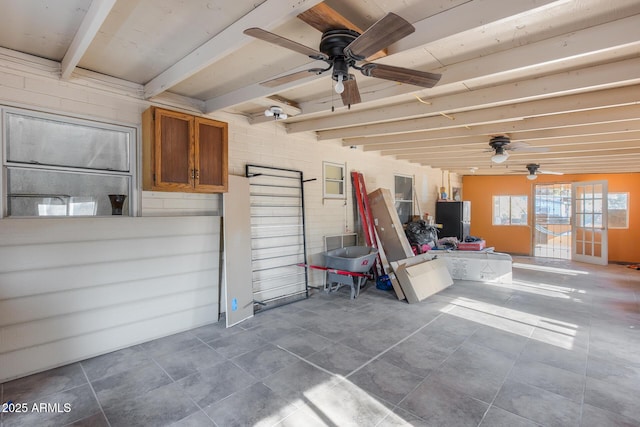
(510, 210)
(618, 210)
(404, 197)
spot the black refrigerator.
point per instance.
(455, 218)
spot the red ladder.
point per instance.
(364, 209)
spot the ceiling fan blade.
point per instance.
(528, 149)
(386, 31)
(351, 94)
(402, 75)
(290, 77)
(284, 42)
(549, 172)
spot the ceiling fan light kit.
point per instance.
(500, 157)
(276, 112)
(532, 176)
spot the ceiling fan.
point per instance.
(501, 145)
(343, 49)
(534, 170)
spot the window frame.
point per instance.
(404, 201)
(326, 179)
(626, 210)
(133, 132)
(510, 204)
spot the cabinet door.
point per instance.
(174, 142)
(210, 155)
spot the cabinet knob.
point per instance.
(197, 173)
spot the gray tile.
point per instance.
(374, 340)
(401, 418)
(237, 344)
(197, 419)
(303, 343)
(81, 404)
(421, 354)
(614, 373)
(215, 331)
(339, 359)
(598, 417)
(612, 397)
(475, 370)
(158, 407)
(333, 328)
(307, 417)
(506, 342)
(345, 404)
(184, 363)
(130, 358)
(114, 389)
(574, 360)
(260, 406)
(296, 380)
(496, 417)
(440, 405)
(539, 405)
(213, 384)
(265, 361)
(170, 344)
(550, 378)
(452, 325)
(276, 330)
(95, 420)
(385, 380)
(36, 386)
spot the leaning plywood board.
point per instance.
(388, 226)
(421, 278)
(237, 251)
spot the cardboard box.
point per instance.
(472, 246)
(493, 267)
(421, 277)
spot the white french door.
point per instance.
(589, 222)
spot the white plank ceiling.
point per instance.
(558, 75)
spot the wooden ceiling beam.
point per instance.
(603, 43)
(562, 104)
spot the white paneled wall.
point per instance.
(75, 288)
(156, 203)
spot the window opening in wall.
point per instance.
(62, 166)
(334, 183)
(404, 197)
(552, 212)
(618, 210)
(510, 210)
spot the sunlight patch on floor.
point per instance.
(548, 269)
(543, 289)
(551, 331)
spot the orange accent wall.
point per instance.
(624, 244)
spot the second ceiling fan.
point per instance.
(343, 49)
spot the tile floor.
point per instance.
(558, 347)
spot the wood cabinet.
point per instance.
(183, 153)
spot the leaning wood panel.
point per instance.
(388, 226)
